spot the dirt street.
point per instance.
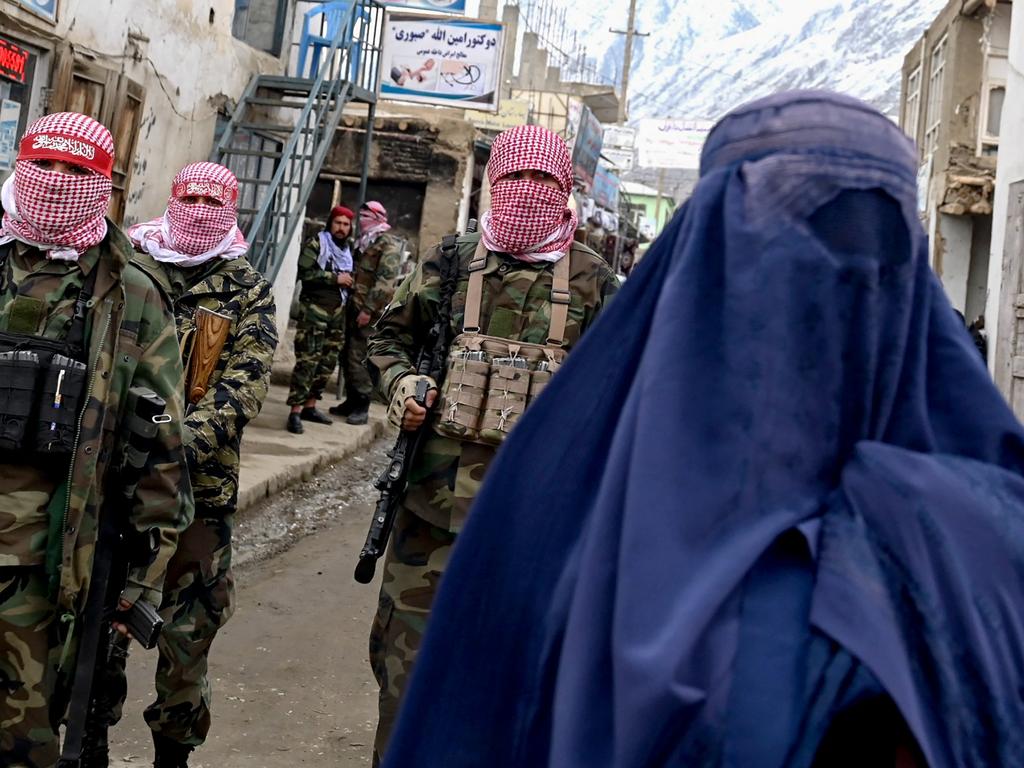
(292, 685)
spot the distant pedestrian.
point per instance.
(326, 276)
(772, 512)
(378, 256)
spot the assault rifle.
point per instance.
(119, 548)
(432, 362)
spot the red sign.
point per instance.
(13, 61)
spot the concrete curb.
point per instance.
(274, 459)
(304, 471)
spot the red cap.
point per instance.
(341, 210)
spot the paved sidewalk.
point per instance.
(273, 458)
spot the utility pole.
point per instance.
(630, 32)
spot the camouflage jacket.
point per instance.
(515, 305)
(376, 271)
(238, 385)
(130, 342)
(319, 286)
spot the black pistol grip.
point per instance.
(366, 568)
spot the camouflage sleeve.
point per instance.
(403, 329)
(237, 397)
(309, 271)
(163, 499)
(609, 286)
(383, 287)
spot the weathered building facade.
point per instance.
(954, 85)
(421, 169)
(1004, 316)
(163, 76)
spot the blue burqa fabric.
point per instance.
(773, 481)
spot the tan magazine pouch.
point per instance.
(490, 380)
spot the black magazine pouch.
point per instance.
(59, 404)
(19, 376)
(42, 381)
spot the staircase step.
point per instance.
(261, 101)
(246, 180)
(273, 128)
(254, 153)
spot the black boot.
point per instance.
(295, 424)
(312, 414)
(360, 414)
(343, 409)
(168, 753)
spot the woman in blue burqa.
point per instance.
(771, 512)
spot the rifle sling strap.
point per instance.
(560, 296)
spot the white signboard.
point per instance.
(10, 114)
(620, 146)
(623, 159)
(619, 137)
(448, 6)
(671, 143)
(444, 61)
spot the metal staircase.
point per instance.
(283, 128)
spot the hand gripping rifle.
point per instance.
(432, 361)
(119, 548)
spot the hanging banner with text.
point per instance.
(441, 61)
(513, 112)
(606, 189)
(586, 149)
(671, 143)
(445, 6)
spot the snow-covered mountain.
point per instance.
(704, 57)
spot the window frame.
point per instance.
(912, 103)
(936, 86)
(985, 139)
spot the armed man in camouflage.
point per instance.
(66, 282)
(527, 236)
(226, 325)
(325, 272)
(377, 259)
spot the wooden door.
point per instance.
(113, 99)
(1009, 360)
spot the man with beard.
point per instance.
(378, 256)
(522, 283)
(325, 271)
(226, 325)
(80, 326)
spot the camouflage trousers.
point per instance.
(415, 560)
(319, 337)
(353, 358)
(30, 685)
(198, 601)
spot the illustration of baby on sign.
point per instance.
(414, 74)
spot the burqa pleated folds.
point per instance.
(773, 482)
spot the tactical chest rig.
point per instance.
(491, 380)
(42, 380)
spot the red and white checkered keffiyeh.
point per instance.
(190, 234)
(373, 222)
(527, 219)
(60, 213)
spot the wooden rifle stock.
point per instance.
(208, 338)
